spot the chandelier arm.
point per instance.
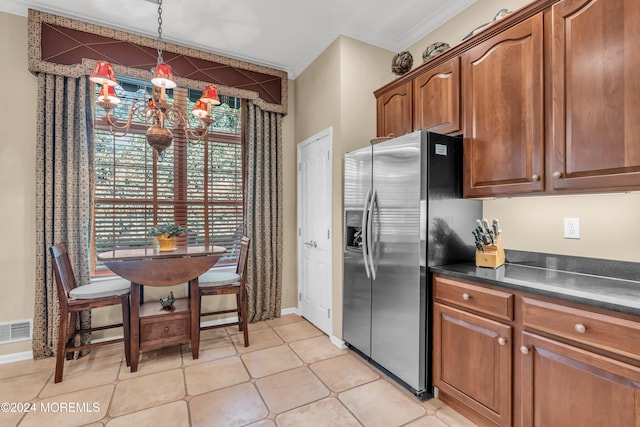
(114, 132)
(177, 117)
(138, 108)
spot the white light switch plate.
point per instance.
(572, 228)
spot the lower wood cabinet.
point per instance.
(563, 385)
(544, 363)
(472, 362)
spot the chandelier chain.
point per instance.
(160, 59)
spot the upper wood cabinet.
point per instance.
(548, 100)
(394, 110)
(436, 98)
(503, 98)
(595, 65)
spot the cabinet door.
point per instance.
(596, 95)
(472, 359)
(436, 94)
(394, 111)
(503, 112)
(566, 386)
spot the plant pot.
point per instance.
(166, 243)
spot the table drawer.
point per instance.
(608, 333)
(484, 300)
(159, 327)
(166, 329)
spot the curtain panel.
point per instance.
(63, 196)
(263, 212)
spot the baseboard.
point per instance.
(290, 310)
(28, 355)
(16, 357)
(337, 342)
(334, 340)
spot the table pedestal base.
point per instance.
(158, 328)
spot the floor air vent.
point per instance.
(18, 330)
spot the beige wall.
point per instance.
(17, 177)
(17, 184)
(289, 220)
(336, 91)
(481, 12)
(610, 224)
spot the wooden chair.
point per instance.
(226, 283)
(74, 299)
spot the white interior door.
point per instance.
(314, 230)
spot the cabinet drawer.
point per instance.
(597, 330)
(480, 299)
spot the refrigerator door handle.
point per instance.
(373, 201)
(365, 237)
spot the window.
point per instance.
(198, 185)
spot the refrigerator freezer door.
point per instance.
(356, 329)
(398, 300)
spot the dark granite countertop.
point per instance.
(616, 288)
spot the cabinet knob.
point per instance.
(535, 177)
(557, 174)
(524, 349)
(466, 297)
(166, 329)
(502, 341)
(580, 328)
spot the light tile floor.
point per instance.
(290, 375)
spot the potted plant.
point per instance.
(165, 235)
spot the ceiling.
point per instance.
(284, 34)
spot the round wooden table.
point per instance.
(150, 267)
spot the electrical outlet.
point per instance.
(572, 228)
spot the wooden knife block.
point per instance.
(493, 255)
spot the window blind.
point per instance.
(198, 185)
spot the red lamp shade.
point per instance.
(200, 110)
(210, 95)
(108, 94)
(163, 76)
(103, 74)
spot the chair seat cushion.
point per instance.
(218, 278)
(106, 288)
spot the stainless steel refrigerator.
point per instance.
(403, 212)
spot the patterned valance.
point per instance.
(67, 47)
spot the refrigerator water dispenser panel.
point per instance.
(353, 229)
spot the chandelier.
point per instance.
(155, 112)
